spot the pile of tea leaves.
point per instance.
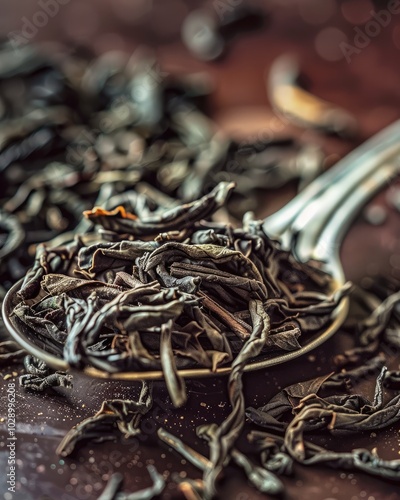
(120, 216)
(167, 289)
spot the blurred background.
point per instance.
(312, 29)
(366, 82)
(347, 53)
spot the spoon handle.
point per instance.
(308, 225)
(328, 245)
(346, 174)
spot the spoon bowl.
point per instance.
(312, 226)
(52, 353)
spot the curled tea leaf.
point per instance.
(123, 414)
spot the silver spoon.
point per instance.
(346, 175)
(326, 244)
